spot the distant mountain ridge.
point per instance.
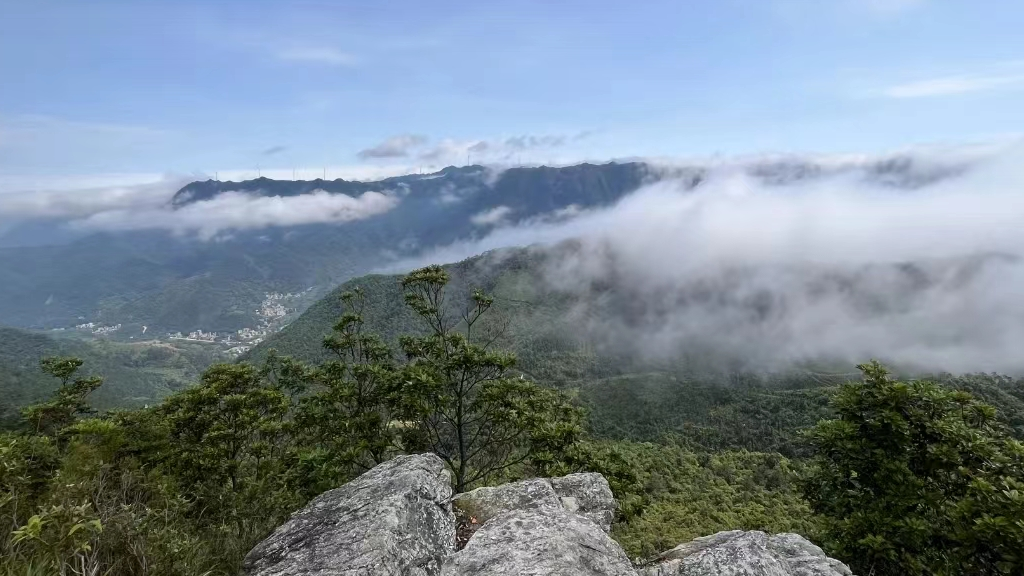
(152, 278)
(182, 284)
(206, 189)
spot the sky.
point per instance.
(105, 92)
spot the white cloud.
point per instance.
(61, 202)
(31, 183)
(394, 147)
(491, 217)
(239, 211)
(75, 197)
(952, 85)
(451, 151)
(842, 267)
(318, 55)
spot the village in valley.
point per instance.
(272, 314)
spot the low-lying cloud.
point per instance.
(231, 211)
(147, 206)
(67, 204)
(240, 211)
(836, 267)
(395, 147)
(491, 217)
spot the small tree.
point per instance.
(914, 478)
(69, 400)
(474, 412)
(350, 415)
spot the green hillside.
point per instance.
(529, 318)
(134, 374)
(705, 399)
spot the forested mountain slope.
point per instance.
(134, 374)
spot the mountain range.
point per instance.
(182, 282)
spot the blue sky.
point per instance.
(93, 89)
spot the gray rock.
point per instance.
(739, 553)
(588, 495)
(485, 503)
(585, 494)
(395, 519)
(542, 541)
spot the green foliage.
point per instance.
(354, 416)
(134, 374)
(475, 414)
(909, 477)
(85, 504)
(914, 478)
(687, 494)
(228, 446)
(189, 486)
(68, 402)
(762, 414)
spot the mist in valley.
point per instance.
(835, 267)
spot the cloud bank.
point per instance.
(492, 216)
(239, 211)
(839, 267)
(73, 203)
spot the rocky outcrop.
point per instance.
(539, 526)
(485, 503)
(394, 519)
(587, 495)
(739, 553)
(536, 541)
(400, 519)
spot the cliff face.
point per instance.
(401, 518)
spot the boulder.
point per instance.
(485, 503)
(394, 519)
(739, 553)
(400, 519)
(539, 541)
(588, 495)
